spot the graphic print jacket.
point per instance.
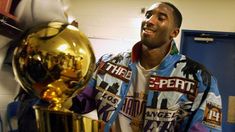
(182, 95)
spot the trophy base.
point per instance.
(59, 121)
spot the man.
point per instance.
(153, 88)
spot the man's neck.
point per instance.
(153, 57)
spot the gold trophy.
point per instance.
(53, 61)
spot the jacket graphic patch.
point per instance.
(160, 119)
(107, 100)
(212, 115)
(160, 114)
(133, 107)
(178, 84)
(117, 71)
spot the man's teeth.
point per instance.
(148, 30)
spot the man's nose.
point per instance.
(151, 20)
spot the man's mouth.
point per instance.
(148, 30)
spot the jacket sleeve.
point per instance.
(206, 113)
(84, 102)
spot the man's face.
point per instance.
(158, 26)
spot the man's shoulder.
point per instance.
(190, 63)
(194, 68)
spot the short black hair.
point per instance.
(177, 15)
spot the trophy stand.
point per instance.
(58, 121)
(55, 121)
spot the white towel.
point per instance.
(33, 12)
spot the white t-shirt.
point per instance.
(130, 118)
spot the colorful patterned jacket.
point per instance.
(182, 95)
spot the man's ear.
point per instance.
(175, 32)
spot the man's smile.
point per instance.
(149, 30)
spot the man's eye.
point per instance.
(148, 15)
(161, 18)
